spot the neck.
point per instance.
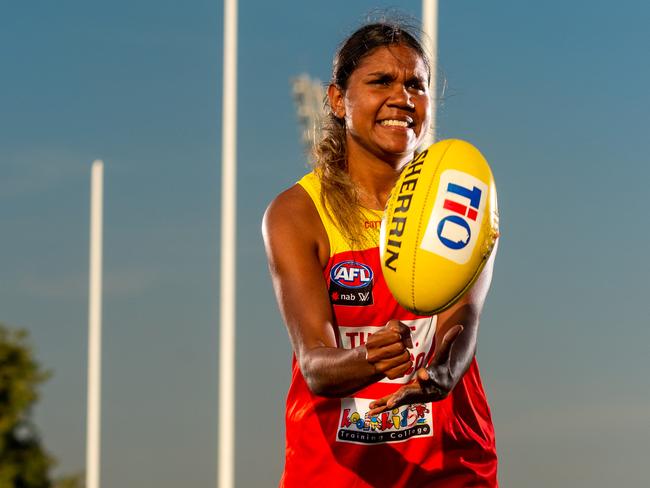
(373, 177)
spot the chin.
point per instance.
(400, 152)
(401, 148)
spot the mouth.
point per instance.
(401, 123)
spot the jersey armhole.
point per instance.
(314, 201)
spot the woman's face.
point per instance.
(385, 104)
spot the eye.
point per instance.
(416, 84)
(381, 80)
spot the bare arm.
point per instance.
(298, 249)
(456, 338)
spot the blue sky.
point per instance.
(555, 94)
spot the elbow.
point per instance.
(316, 379)
(316, 383)
(318, 387)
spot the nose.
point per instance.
(401, 98)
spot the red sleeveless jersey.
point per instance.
(334, 442)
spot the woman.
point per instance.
(379, 396)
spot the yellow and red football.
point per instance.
(439, 226)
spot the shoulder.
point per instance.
(292, 220)
(292, 206)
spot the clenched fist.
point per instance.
(387, 350)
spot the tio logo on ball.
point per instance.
(456, 216)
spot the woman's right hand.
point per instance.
(387, 350)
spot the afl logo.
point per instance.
(350, 274)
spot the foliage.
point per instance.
(76, 481)
(24, 463)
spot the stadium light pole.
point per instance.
(308, 94)
(430, 29)
(93, 412)
(226, 448)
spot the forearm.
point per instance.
(335, 372)
(458, 350)
(447, 374)
(461, 356)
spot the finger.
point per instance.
(394, 399)
(377, 402)
(378, 405)
(398, 371)
(402, 396)
(423, 375)
(374, 354)
(406, 336)
(384, 337)
(378, 409)
(441, 355)
(403, 330)
(384, 404)
(393, 362)
(384, 365)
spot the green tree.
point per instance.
(74, 481)
(24, 463)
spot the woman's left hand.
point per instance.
(431, 384)
(445, 370)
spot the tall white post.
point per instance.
(430, 29)
(93, 417)
(226, 461)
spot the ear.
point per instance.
(336, 98)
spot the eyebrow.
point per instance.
(380, 73)
(386, 73)
(424, 80)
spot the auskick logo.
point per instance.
(456, 216)
(351, 284)
(357, 426)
